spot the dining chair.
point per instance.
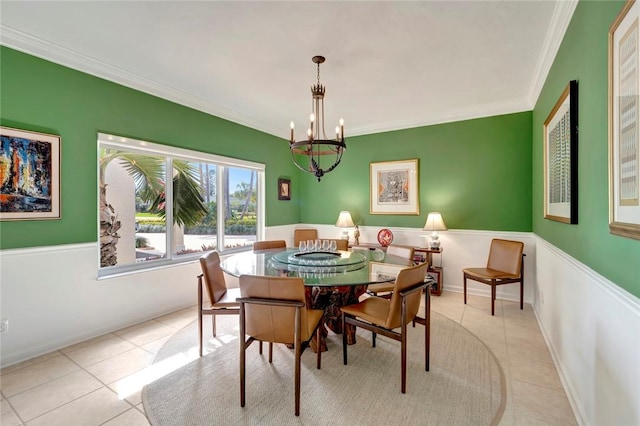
(222, 300)
(274, 310)
(382, 316)
(304, 234)
(505, 265)
(341, 243)
(269, 244)
(404, 252)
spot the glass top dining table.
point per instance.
(332, 279)
(318, 268)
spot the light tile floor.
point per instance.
(80, 384)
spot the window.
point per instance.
(214, 203)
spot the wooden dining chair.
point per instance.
(304, 234)
(269, 244)
(385, 289)
(382, 316)
(505, 265)
(274, 310)
(222, 301)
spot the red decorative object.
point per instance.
(385, 237)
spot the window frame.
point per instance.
(106, 140)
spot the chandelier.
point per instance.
(315, 153)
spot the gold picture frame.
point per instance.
(393, 187)
(561, 158)
(30, 187)
(624, 134)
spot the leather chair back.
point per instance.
(213, 276)
(274, 323)
(506, 256)
(266, 245)
(406, 278)
(304, 234)
(341, 244)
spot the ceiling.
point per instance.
(390, 65)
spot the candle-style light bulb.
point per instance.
(337, 133)
(292, 127)
(309, 133)
(341, 128)
(312, 118)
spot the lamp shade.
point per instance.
(344, 220)
(434, 222)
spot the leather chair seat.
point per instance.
(228, 299)
(490, 274)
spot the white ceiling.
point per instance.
(390, 65)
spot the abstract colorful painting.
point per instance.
(29, 175)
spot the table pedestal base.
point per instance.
(330, 300)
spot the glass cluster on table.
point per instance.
(317, 245)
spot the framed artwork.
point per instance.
(561, 158)
(284, 189)
(394, 187)
(624, 119)
(29, 175)
(379, 271)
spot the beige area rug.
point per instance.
(465, 386)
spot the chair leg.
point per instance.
(521, 295)
(319, 352)
(427, 328)
(200, 331)
(493, 299)
(465, 288)
(403, 356)
(213, 324)
(243, 349)
(260, 347)
(373, 339)
(344, 340)
(270, 352)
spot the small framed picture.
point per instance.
(30, 175)
(284, 189)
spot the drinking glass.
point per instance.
(325, 245)
(318, 245)
(303, 247)
(309, 245)
(333, 245)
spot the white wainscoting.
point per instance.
(52, 299)
(592, 328)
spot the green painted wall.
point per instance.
(41, 96)
(477, 173)
(583, 57)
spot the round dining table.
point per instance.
(332, 279)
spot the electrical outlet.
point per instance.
(4, 325)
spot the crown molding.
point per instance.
(562, 14)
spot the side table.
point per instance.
(425, 254)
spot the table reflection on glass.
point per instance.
(332, 279)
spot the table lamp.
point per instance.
(344, 222)
(435, 223)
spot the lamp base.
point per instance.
(344, 235)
